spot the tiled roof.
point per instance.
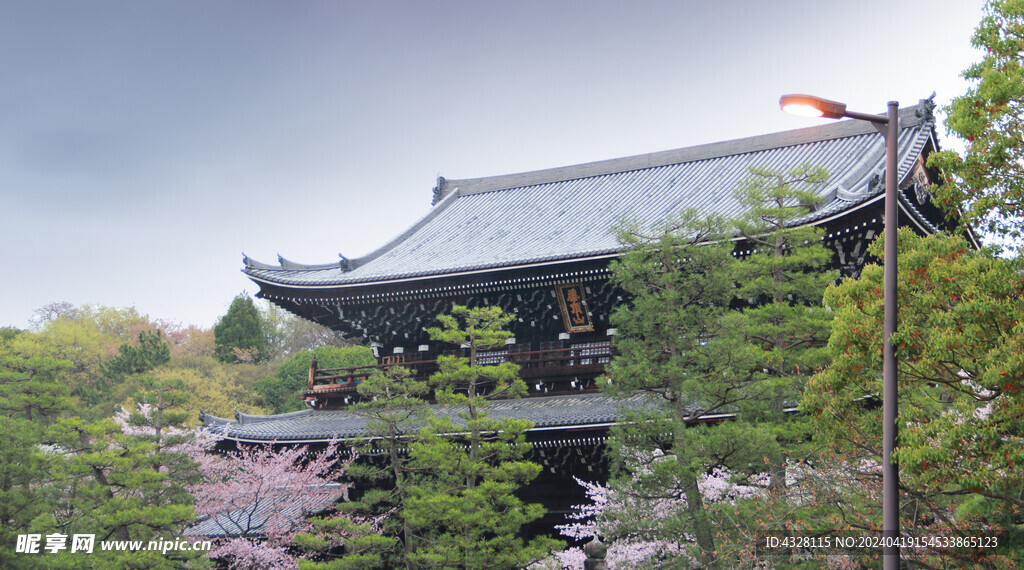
(546, 413)
(275, 513)
(568, 213)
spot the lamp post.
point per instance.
(888, 125)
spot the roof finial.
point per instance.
(438, 190)
(926, 108)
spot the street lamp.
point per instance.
(888, 125)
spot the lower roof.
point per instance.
(279, 511)
(548, 413)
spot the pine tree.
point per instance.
(462, 508)
(150, 353)
(464, 381)
(785, 325)
(395, 406)
(31, 396)
(118, 484)
(674, 343)
(239, 335)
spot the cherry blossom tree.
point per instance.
(609, 513)
(258, 498)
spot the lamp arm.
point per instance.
(877, 119)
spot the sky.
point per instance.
(144, 146)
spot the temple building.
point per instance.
(539, 244)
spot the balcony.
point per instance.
(546, 372)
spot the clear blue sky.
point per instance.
(145, 145)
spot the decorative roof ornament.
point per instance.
(926, 108)
(438, 191)
(876, 184)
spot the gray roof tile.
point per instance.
(568, 213)
(548, 412)
(274, 513)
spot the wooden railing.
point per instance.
(551, 370)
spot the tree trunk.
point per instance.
(703, 530)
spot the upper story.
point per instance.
(539, 243)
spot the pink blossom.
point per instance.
(256, 554)
(588, 521)
(257, 491)
(261, 498)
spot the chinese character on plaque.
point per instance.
(574, 308)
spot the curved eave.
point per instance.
(576, 412)
(432, 276)
(307, 440)
(426, 279)
(588, 427)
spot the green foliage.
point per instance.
(65, 473)
(326, 357)
(162, 399)
(360, 545)
(150, 352)
(986, 184)
(120, 323)
(61, 474)
(7, 334)
(280, 392)
(82, 344)
(30, 397)
(679, 340)
(30, 385)
(461, 510)
(213, 387)
(87, 337)
(960, 352)
(394, 403)
(785, 327)
(463, 380)
(240, 334)
(116, 486)
(24, 490)
(788, 264)
(679, 290)
(674, 343)
(395, 407)
(288, 334)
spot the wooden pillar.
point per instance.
(312, 375)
